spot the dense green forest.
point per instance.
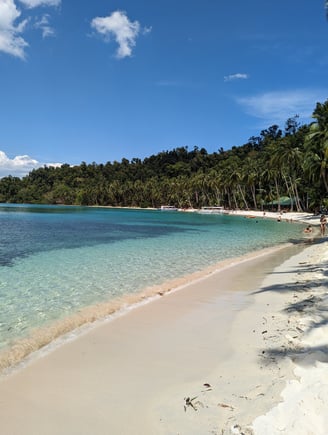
(292, 162)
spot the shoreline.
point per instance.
(275, 379)
(45, 339)
(179, 344)
(294, 216)
(307, 218)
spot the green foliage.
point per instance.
(277, 163)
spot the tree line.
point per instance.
(291, 162)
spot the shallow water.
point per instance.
(55, 261)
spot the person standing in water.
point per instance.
(323, 223)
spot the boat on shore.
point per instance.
(212, 210)
(168, 208)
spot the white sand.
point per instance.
(307, 218)
(305, 399)
(225, 354)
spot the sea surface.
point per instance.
(55, 261)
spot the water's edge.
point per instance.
(44, 340)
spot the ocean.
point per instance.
(62, 266)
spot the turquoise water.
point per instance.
(55, 261)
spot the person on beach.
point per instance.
(323, 223)
(308, 229)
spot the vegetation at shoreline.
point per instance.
(292, 162)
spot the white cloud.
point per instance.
(121, 28)
(35, 3)
(44, 25)
(147, 30)
(237, 76)
(10, 41)
(20, 166)
(277, 107)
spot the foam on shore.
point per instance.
(47, 338)
(209, 358)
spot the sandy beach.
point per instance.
(241, 351)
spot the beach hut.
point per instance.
(283, 201)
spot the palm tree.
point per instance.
(237, 180)
(287, 156)
(216, 186)
(251, 176)
(271, 177)
(316, 146)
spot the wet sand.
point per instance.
(189, 362)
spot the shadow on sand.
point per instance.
(310, 301)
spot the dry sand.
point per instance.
(240, 351)
(307, 218)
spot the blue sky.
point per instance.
(102, 80)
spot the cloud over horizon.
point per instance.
(276, 107)
(124, 31)
(20, 166)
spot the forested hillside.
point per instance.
(290, 162)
